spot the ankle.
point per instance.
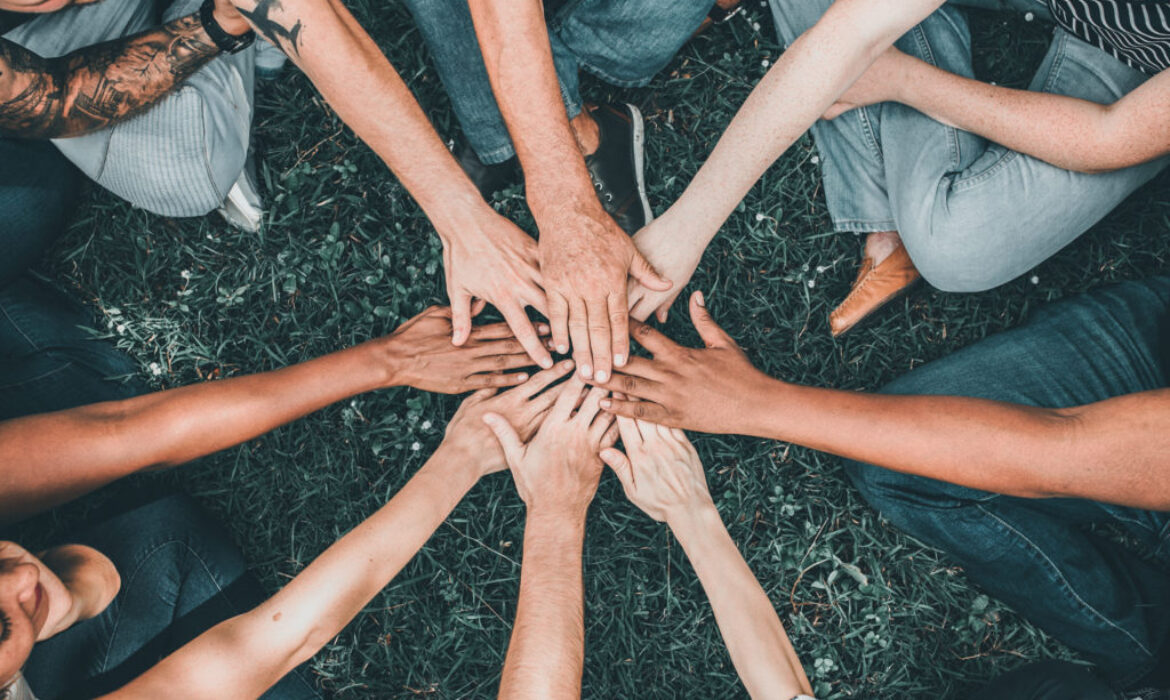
(586, 131)
(880, 244)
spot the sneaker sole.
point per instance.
(639, 147)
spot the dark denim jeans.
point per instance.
(623, 42)
(1095, 596)
(181, 574)
(38, 187)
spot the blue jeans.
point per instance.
(181, 574)
(38, 188)
(1034, 554)
(971, 213)
(623, 42)
(47, 362)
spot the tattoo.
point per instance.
(261, 20)
(99, 85)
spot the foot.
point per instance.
(488, 179)
(617, 165)
(880, 280)
(243, 207)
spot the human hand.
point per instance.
(230, 19)
(495, 262)
(557, 470)
(709, 389)
(660, 471)
(586, 259)
(420, 354)
(879, 83)
(524, 407)
(672, 254)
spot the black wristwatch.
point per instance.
(227, 43)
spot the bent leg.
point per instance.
(38, 188)
(974, 215)
(1091, 594)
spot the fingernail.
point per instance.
(546, 363)
(521, 377)
(699, 299)
(568, 364)
(542, 328)
(586, 371)
(606, 403)
(619, 360)
(602, 375)
(562, 349)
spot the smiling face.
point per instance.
(32, 600)
(39, 6)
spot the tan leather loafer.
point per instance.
(873, 288)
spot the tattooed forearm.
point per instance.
(261, 20)
(99, 85)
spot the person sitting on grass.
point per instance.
(975, 189)
(998, 454)
(94, 609)
(153, 100)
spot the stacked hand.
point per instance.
(660, 471)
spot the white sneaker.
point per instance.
(270, 61)
(243, 208)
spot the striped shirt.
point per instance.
(1136, 32)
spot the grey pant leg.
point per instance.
(180, 157)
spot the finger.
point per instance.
(591, 405)
(500, 363)
(526, 335)
(600, 338)
(579, 336)
(491, 331)
(506, 434)
(460, 317)
(609, 439)
(495, 380)
(634, 387)
(542, 379)
(619, 323)
(535, 297)
(477, 307)
(644, 410)
(480, 395)
(631, 436)
(713, 336)
(558, 319)
(620, 464)
(649, 338)
(662, 312)
(567, 401)
(600, 426)
(645, 273)
(639, 310)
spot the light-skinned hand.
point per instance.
(557, 470)
(660, 471)
(675, 255)
(706, 389)
(524, 407)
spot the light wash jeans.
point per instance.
(1089, 592)
(180, 157)
(971, 213)
(623, 42)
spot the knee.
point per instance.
(952, 265)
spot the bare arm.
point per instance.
(1113, 451)
(585, 257)
(663, 476)
(97, 86)
(54, 457)
(1067, 132)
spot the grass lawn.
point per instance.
(346, 255)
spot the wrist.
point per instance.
(762, 403)
(453, 465)
(557, 515)
(693, 519)
(555, 197)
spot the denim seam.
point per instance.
(871, 138)
(4, 310)
(859, 226)
(496, 156)
(30, 380)
(134, 575)
(928, 53)
(1062, 580)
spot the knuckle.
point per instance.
(629, 383)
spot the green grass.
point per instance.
(346, 256)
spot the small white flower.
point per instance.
(765, 63)
(1028, 16)
(756, 26)
(814, 160)
(121, 328)
(1035, 279)
(760, 217)
(185, 274)
(812, 283)
(155, 369)
(415, 447)
(821, 268)
(426, 425)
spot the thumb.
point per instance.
(460, 317)
(620, 464)
(713, 336)
(645, 273)
(506, 434)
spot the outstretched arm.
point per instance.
(585, 257)
(97, 86)
(245, 655)
(54, 457)
(1113, 450)
(663, 476)
(1067, 132)
(556, 474)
